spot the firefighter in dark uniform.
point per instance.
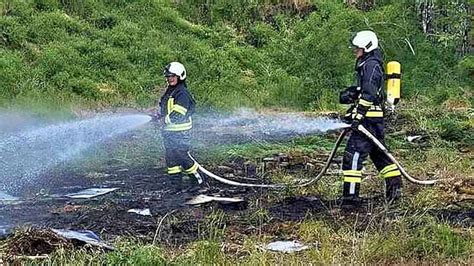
(175, 111)
(367, 99)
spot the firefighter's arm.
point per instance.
(369, 83)
(181, 105)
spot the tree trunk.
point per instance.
(447, 21)
(427, 14)
(467, 42)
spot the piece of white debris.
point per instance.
(286, 246)
(90, 193)
(144, 212)
(200, 199)
(414, 138)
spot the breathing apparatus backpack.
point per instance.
(388, 95)
(393, 77)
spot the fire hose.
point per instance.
(390, 156)
(361, 129)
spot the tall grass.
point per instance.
(256, 54)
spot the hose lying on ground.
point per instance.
(323, 171)
(390, 156)
(325, 167)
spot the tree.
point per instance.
(446, 22)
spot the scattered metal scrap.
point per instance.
(85, 236)
(200, 199)
(286, 246)
(90, 193)
(144, 212)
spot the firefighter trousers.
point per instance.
(358, 148)
(177, 145)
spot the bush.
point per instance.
(450, 130)
(237, 54)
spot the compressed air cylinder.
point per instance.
(394, 75)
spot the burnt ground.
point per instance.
(264, 210)
(106, 215)
(42, 202)
(173, 223)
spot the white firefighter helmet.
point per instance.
(175, 68)
(366, 40)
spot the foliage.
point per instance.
(251, 53)
(446, 22)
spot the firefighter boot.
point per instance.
(350, 195)
(393, 188)
(194, 182)
(198, 177)
(177, 183)
(187, 184)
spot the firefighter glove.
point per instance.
(349, 95)
(355, 124)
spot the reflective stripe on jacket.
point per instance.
(370, 77)
(177, 107)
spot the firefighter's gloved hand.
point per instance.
(349, 95)
(355, 124)
(347, 118)
(155, 118)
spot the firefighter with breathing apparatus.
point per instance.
(368, 100)
(175, 110)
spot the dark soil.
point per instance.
(107, 215)
(148, 188)
(173, 223)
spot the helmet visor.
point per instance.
(167, 73)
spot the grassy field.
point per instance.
(60, 58)
(430, 224)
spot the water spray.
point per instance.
(26, 155)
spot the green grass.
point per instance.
(105, 53)
(401, 239)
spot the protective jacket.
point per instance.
(177, 106)
(368, 96)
